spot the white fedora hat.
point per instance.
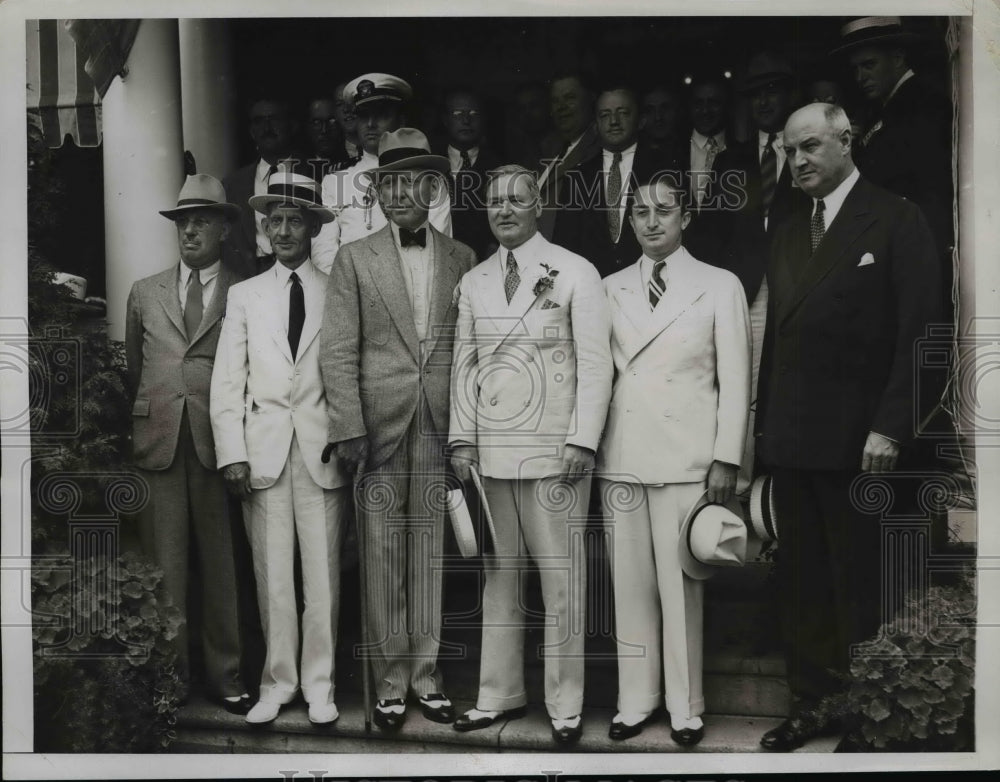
(711, 536)
(201, 191)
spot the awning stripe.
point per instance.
(59, 87)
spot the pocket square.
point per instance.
(867, 259)
(548, 304)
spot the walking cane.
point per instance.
(363, 594)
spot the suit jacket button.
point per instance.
(180, 393)
(493, 402)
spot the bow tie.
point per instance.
(408, 238)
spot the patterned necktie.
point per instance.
(614, 196)
(817, 225)
(768, 173)
(656, 285)
(711, 150)
(193, 305)
(296, 313)
(408, 238)
(466, 160)
(513, 279)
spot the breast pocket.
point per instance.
(375, 321)
(547, 326)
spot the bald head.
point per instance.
(818, 145)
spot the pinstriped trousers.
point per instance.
(400, 510)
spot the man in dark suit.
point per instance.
(386, 356)
(906, 145)
(470, 158)
(592, 220)
(272, 129)
(171, 332)
(572, 105)
(853, 286)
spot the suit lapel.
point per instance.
(446, 276)
(217, 306)
(387, 275)
(851, 221)
(683, 290)
(314, 298)
(170, 299)
(268, 307)
(631, 300)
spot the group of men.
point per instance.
(369, 364)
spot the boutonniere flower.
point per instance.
(545, 281)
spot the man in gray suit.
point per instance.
(386, 356)
(171, 333)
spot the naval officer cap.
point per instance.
(372, 88)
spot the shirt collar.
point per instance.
(762, 135)
(526, 255)
(455, 155)
(646, 263)
(205, 275)
(626, 153)
(700, 140)
(834, 200)
(262, 168)
(306, 272)
(902, 80)
(395, 234)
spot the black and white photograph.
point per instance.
(563, 388)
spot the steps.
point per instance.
(205, 728)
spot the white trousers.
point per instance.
(296, 507)
(658, 609)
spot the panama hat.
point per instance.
(763, 519)
(875, 31)
(201, 191)
(711, 536)
(285, 187)
(407, 149)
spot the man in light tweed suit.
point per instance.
(386, 359)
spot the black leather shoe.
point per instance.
(464, 723)
(620, 731)
(687, 737)
(240, 708)
(444, 713)
(389, 720)
(790, 734)
(567, 736)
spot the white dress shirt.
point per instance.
(455, 157)
(625, 167)
(699, 157)
(779, 155)
(282, 275)
(208, 276)
(418, 275)
(834, 200)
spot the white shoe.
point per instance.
(322, 713)
(262, 713)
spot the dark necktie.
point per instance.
(466, 160)
(768, 173)
(614, 196)
(817, 225)
(408, 238)
(193, 306)
(296, 312)
(656, 285)
(513, 279)
(271, 171)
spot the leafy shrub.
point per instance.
(103, 658)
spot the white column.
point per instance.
(208, 94)
(143, 165)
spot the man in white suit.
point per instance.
(269, 411)
(531, 385)
(676, 428)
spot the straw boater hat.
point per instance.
(285, 187)
(763, 518)
(766, 68)
(375, 88)
(201, 191)
(712, 536)
(407, 149)
(875, 31)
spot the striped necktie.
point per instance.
(513, 279)
(656, 284)
(193, 305)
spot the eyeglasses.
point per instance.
(329, 122)
(516, 203)
(464, 113)
(198, 223)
